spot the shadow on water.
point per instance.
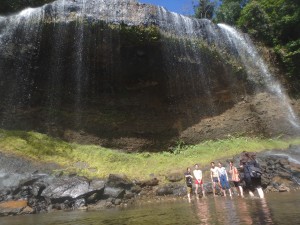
(275, 209)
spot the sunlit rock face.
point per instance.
(131, 76)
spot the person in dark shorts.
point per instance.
(214, 177)
(235, 178)
(189, 182)
(249, 163)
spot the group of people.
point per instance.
(250, 176)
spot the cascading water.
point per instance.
(27, 29)
(79, 65)
(187, 62)
(253, 62)
(19, 33)
(232, 42)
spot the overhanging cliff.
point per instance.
(125, 75)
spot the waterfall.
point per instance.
(232, 42)
(253, 62)
(72, 65)
(181, 54)
(27, 28)
(19, 33)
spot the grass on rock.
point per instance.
(102, 161)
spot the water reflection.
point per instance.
(262, 214)
(275, 209)
(243, 212)
(202, 211)
(232, 211)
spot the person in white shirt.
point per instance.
(214, 177)
(198, 180)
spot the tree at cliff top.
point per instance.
(276, 23)
(229, 11)
(204, 9)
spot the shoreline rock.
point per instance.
(30, 193)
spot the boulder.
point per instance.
(179, 190)
(93, 198)
(79, 203)
(117, 201)
(119, 181)
(136, 189)
(128, 195)
(283, 188)
(284, 162)
(28, 210)
(63, 188)
(151, 182)
(174, 177)
(114, 192)
(39, 204)
(12, 181)
(270, 188)
(4, 194)
(37, 188)
(12, 207)
(164, 190)
(66, 188)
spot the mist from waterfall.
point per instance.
(26, 29)
(253, 62)
(181, 50)
(15, 30)
(228, 39)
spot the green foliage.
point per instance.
(33, 144)
(290, 56)
(179, 147)
(204, 9)
(229, 12)
(276, 23)
(256, 22)
(102, 161)
(138, 34)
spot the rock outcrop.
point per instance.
(129, 76)
(24, 193)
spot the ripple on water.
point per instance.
(275, 209)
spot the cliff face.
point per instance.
(126, 75)
(13, 6)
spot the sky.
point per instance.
(180, 6)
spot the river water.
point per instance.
(276, 208)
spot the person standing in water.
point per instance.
(252, 173)
(198, 180)
(223, 178)
(214, 177)
(235, 177)
(189, 182)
